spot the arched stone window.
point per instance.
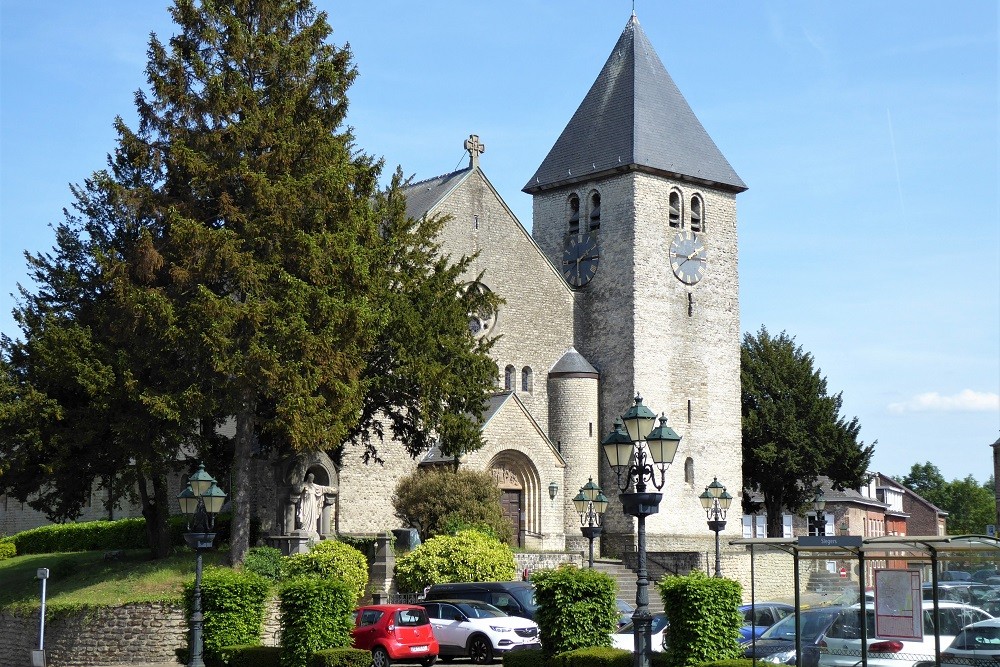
(509, 377)
(574, 214)
(689, 470)
(697, 215)
(674, 216)
(595, 211)
(526, 379)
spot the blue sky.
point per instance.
(867, 132)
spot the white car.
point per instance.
(478, 630)
(978, 643)
(624, 637)
(841, 646)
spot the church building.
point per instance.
(628, 283)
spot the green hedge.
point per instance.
(704, 618)
(247, 656)
(576, 608)
(108, 535)
(316, 614)
(7, 549)
(341, 657)
(597, 656)
(467, 556)
(265, 561)
(233, 604)
(738, 662)
(330, 558)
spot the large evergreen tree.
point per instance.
(256, 268)
(792, 428)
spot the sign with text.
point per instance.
(844, 541)
(898, 605)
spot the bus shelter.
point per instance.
(937, 550)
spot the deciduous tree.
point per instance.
(793, 431)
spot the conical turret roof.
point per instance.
(634, 117)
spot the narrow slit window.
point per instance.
(595, 211)
(574, 214)
(508, 378)
(526, 379)
(675, 209)
(697, 215)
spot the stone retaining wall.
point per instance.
(134, 633)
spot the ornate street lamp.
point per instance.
(637, 452)
(591, 504)
(200, 502)
(819, 504)
(716, 501)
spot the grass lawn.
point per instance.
(84, 579)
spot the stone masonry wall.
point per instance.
(131, 634)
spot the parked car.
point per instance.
(977, 644)
(982, 575)
(395, 633)
(955, 575)
(624, 638)
(478, 630)
(514, 598)
(759, 616)
(625, 611)
(777, 644)
(841, 645)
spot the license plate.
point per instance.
(418, 649)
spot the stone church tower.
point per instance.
(637, 206)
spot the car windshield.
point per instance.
(526, 596)
(814, 622)
(479, 610)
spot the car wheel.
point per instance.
(427, 662)
(481, 650)
(380, 658)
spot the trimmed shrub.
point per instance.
(316, 614)
(233, 604)
(704, 618)
(330, 558)
(443, 501)
(467, 556)
(7, 549)
(247, 656)
(599, 656)
(341, 657)
(576, 608)
(84, 536)
(526, 658)
(265, 561)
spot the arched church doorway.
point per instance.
(520, 494)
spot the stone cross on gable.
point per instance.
(475, 150)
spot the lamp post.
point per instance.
(200, 502)
(819, 504)
(591, 504)
(636, 452)
(716, 501)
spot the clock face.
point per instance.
(581, 254)
(688, 257)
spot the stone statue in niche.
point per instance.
(311, 502)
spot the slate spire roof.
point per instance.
(634, 118)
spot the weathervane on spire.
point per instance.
(475, 150)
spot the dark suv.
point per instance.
(515, 598)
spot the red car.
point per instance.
(395, 633)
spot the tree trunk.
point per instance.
(156, 511)
(239, 542)
(775, 526)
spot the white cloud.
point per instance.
(964, 401)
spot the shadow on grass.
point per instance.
(86, 579)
